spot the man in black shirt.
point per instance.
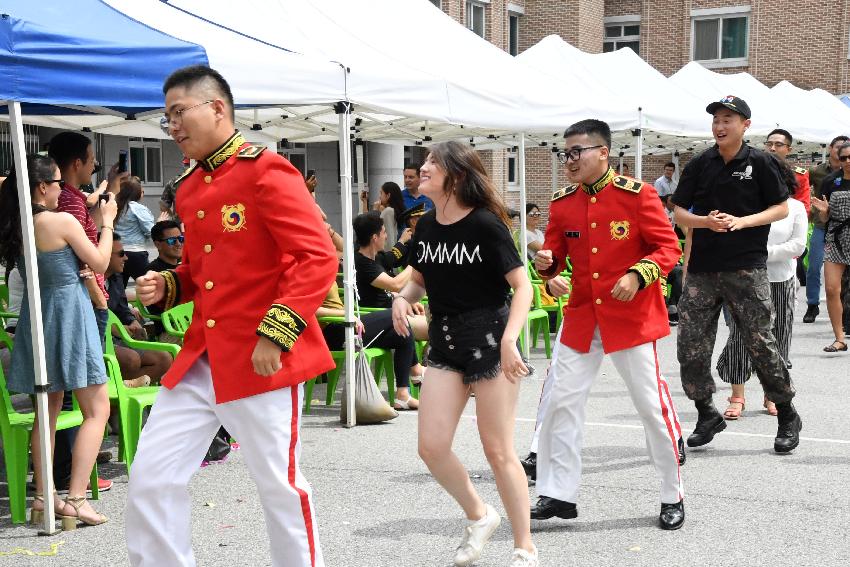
(734, 193)
(138, 367)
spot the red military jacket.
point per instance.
(257, 260)
(803, 192)
(615, 226)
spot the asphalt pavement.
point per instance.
(378, 506)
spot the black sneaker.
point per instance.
(708, 425)
(811, 314)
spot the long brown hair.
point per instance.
(467, 178)
(131, 190)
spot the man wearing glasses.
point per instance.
(168, 239)
(779, 144)
(620, 242)
(729, 195)
(257, 262)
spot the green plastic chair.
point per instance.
(538, 320)
(176, 320)
(16, 429)
(131, 405)
(144, 311)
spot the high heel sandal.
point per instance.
(70, 522)
(37, 516)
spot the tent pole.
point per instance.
(358, 160)
(639, 154)
(34, 302)
(343, 109)
(522, 231)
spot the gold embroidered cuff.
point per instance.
(172, 290)
(647, 271)
(282, 326)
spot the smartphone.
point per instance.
(310, 173)
(122, 161)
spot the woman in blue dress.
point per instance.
(72, 346)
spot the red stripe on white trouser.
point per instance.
(673, 412)
(666, 410)
(306, 510)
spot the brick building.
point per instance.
(803, 41)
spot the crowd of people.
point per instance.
(436, 263)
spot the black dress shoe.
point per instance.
(529, 464)
(708, 425)
(682, 456)
(788, 434)
(550, 507)
(812, 311)
(672, 516)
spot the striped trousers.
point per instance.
(734, 364)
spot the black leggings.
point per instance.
(404, 348)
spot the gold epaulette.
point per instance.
(800, 170)
(184, 175)
(627, 184)
(250, 152)
(568, 190)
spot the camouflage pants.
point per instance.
(746, 293)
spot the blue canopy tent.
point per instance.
(80, 56)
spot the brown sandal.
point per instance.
(732, 413)
(833, 348)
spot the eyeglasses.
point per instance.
(121, 253)
(173, 240)
(777, 145)
(574, 153)
(177, 118)
(535, 214)
(61, 182)
(843, 158)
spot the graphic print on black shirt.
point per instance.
(464, 263)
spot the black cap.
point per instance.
(414, 211)
(733, 103)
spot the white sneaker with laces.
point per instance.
(522, 558)
(475, 536)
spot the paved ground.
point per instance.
(377, 505)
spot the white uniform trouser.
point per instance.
(561, 434)
(174, 441)
(545, 393)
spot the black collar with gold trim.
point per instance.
(227, 149)
(600, 184)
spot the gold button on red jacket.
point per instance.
(262, 242)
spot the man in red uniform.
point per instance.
(620, 242)
(779, 143)
(257, 262)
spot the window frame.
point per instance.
(470, 7)
(145, 144)
(622, 22)
(722, 14)
(513, 39)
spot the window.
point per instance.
(475, 17)
(146, 160)
(620, 32)
(719, 37)
(296, 154)
(513, 34)
(513, 177)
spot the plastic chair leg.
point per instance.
(17, 459)
(308, 394)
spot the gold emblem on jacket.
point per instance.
(619, 230)
(233, 217)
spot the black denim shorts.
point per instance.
(468, 343)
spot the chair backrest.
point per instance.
(4, 297)
(144, 311)
(177, 319)
(6, 408)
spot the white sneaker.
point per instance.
(522, 558)
(475, 536)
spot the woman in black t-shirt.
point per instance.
(464, 257)
(834, 209)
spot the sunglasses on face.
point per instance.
(173, 240)
(844, 158)
(121, 253)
